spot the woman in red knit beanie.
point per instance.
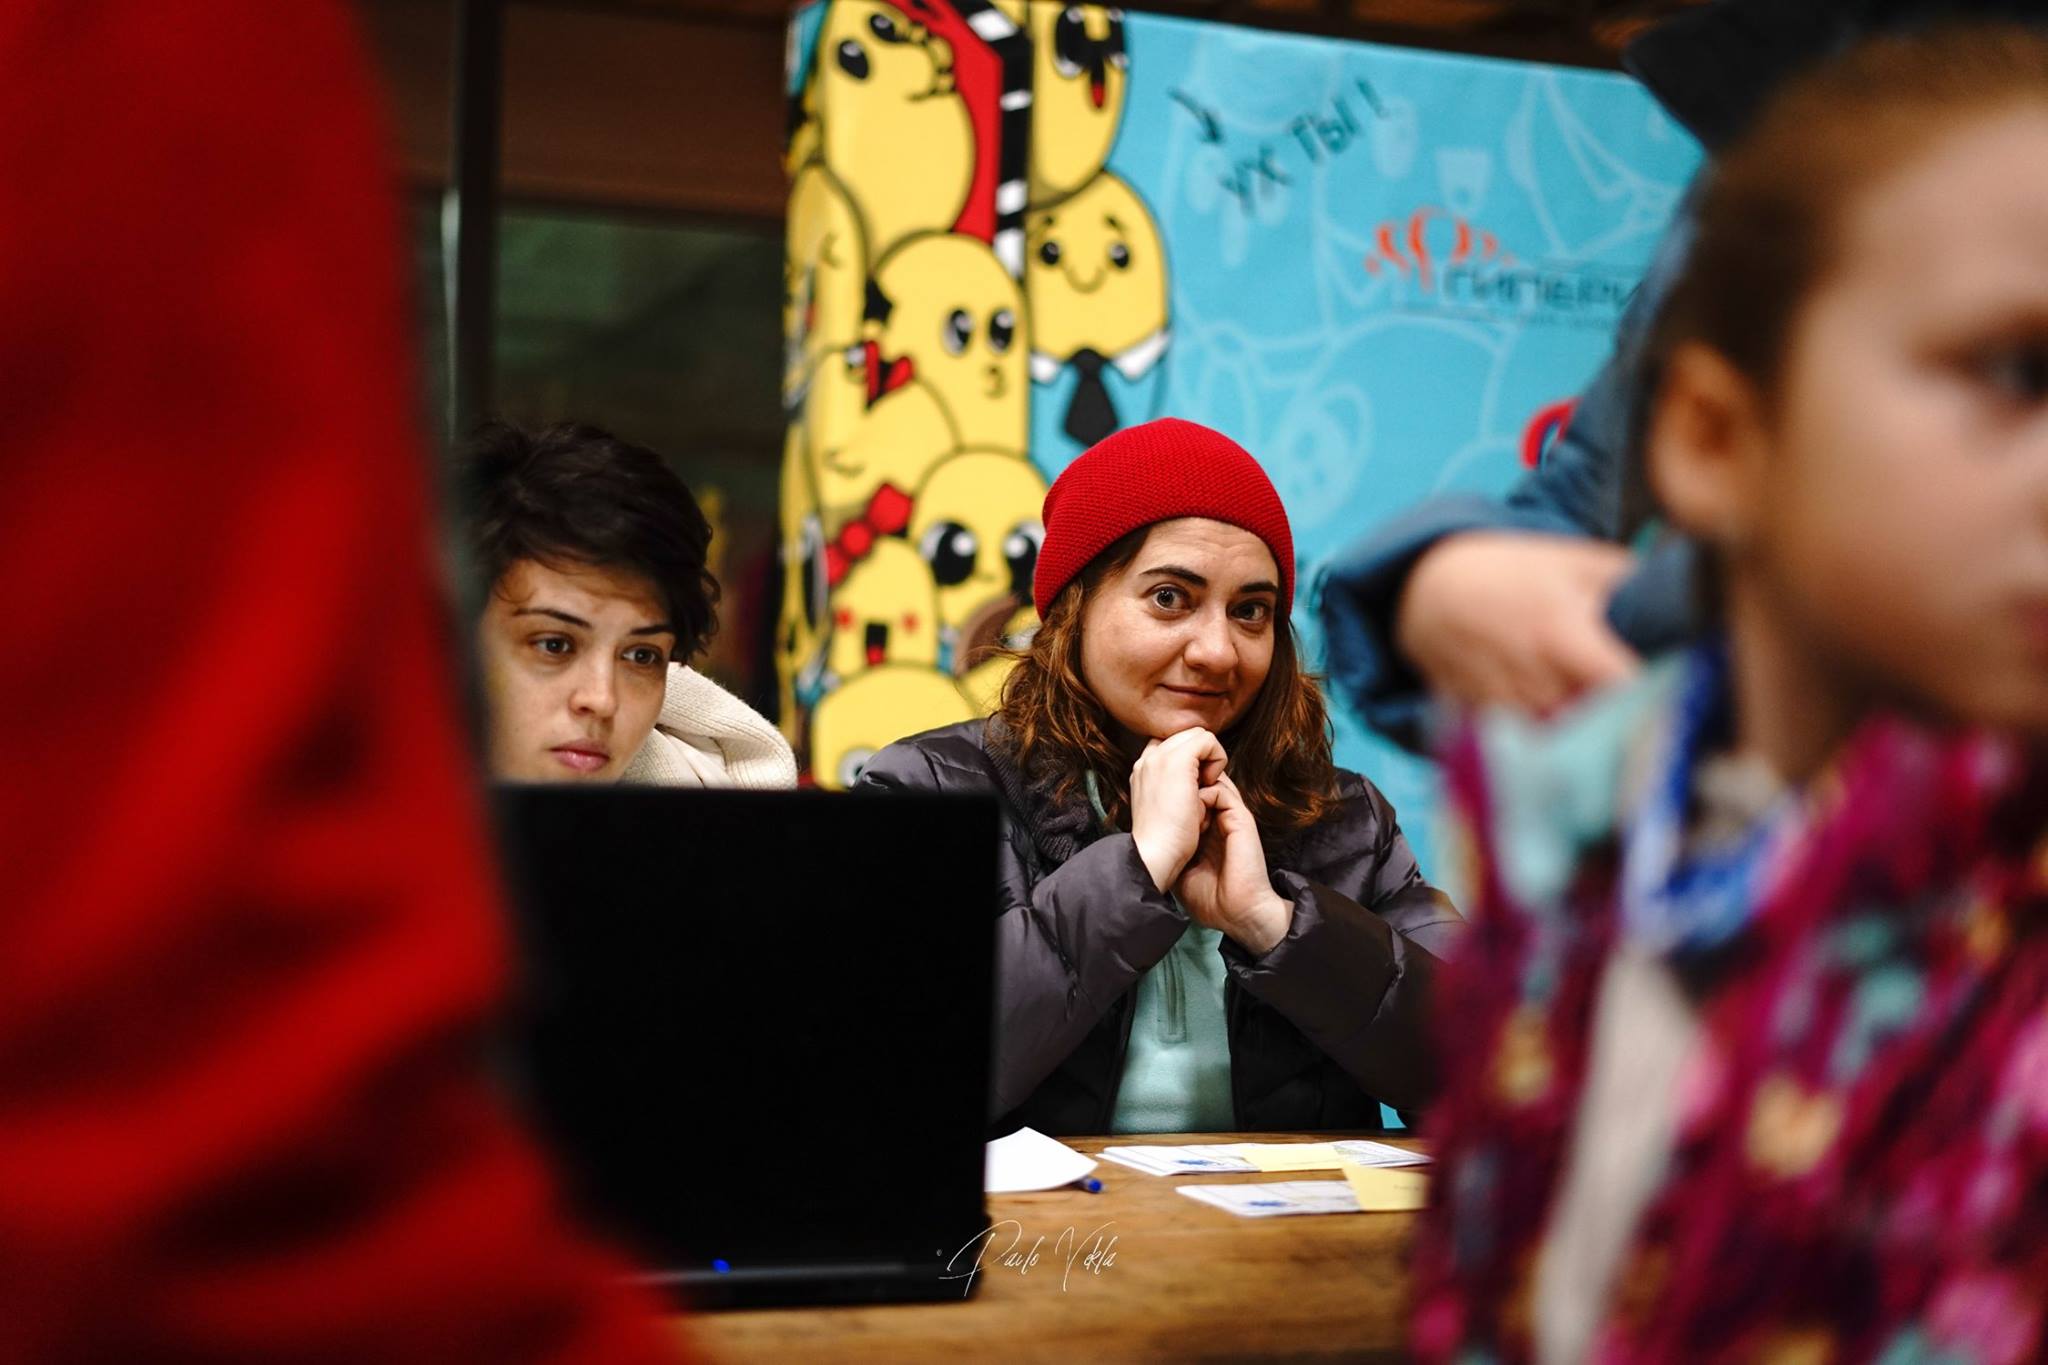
(1206, 925)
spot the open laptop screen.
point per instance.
(756, 1026)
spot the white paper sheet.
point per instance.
(1217, 1158)
(1278, 1200)
(1192, 1160)
(1029, 1160)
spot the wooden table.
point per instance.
(1171, 1279)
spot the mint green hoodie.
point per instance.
(1177, 1064)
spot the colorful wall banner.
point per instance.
(1013, 230)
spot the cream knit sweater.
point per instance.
(707, 737)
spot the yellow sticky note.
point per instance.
(1380, 1190)
(1290, 1156)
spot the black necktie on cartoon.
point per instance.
(1090, 413)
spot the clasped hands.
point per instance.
(1198, 840)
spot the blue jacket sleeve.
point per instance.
(1577, 491)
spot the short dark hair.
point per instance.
(573, 495)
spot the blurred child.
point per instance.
(1748, 1049)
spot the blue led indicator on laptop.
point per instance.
(722, 1266)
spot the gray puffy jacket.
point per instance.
(1322, 1029)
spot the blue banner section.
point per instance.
(1387, 268)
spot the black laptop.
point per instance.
(755, 1026)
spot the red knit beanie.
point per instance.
(1156, 472)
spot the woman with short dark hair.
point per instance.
(593, 556)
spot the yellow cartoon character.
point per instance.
(893, 128)
(869, 424)
(824, 278)
(875, 709)
(882, 611)
(976, 524)
(1079, 72)
(1095, 274)
(944, 302)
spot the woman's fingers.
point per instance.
(1196, 752)
(1169, 812)
(1232, 814)
(1209, 753)
(1195, 738)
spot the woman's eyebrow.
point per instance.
(562, 616)
(1193, 579)
(1188, 576)
(658, 628)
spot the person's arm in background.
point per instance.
(1530, 600)
(249, 927)
(1525, 599)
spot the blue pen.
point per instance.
(1090, 1184)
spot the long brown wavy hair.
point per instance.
(1054, 729)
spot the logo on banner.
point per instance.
(1457, 268)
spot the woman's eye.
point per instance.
(646, 656)
(959, 327)
(557, 646)
(1171, 599)
(2019, 373)
(1256, 612)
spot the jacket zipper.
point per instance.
(1233, 1008)
(1174, 997)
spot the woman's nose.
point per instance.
(1209, 645)
(596, 691)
